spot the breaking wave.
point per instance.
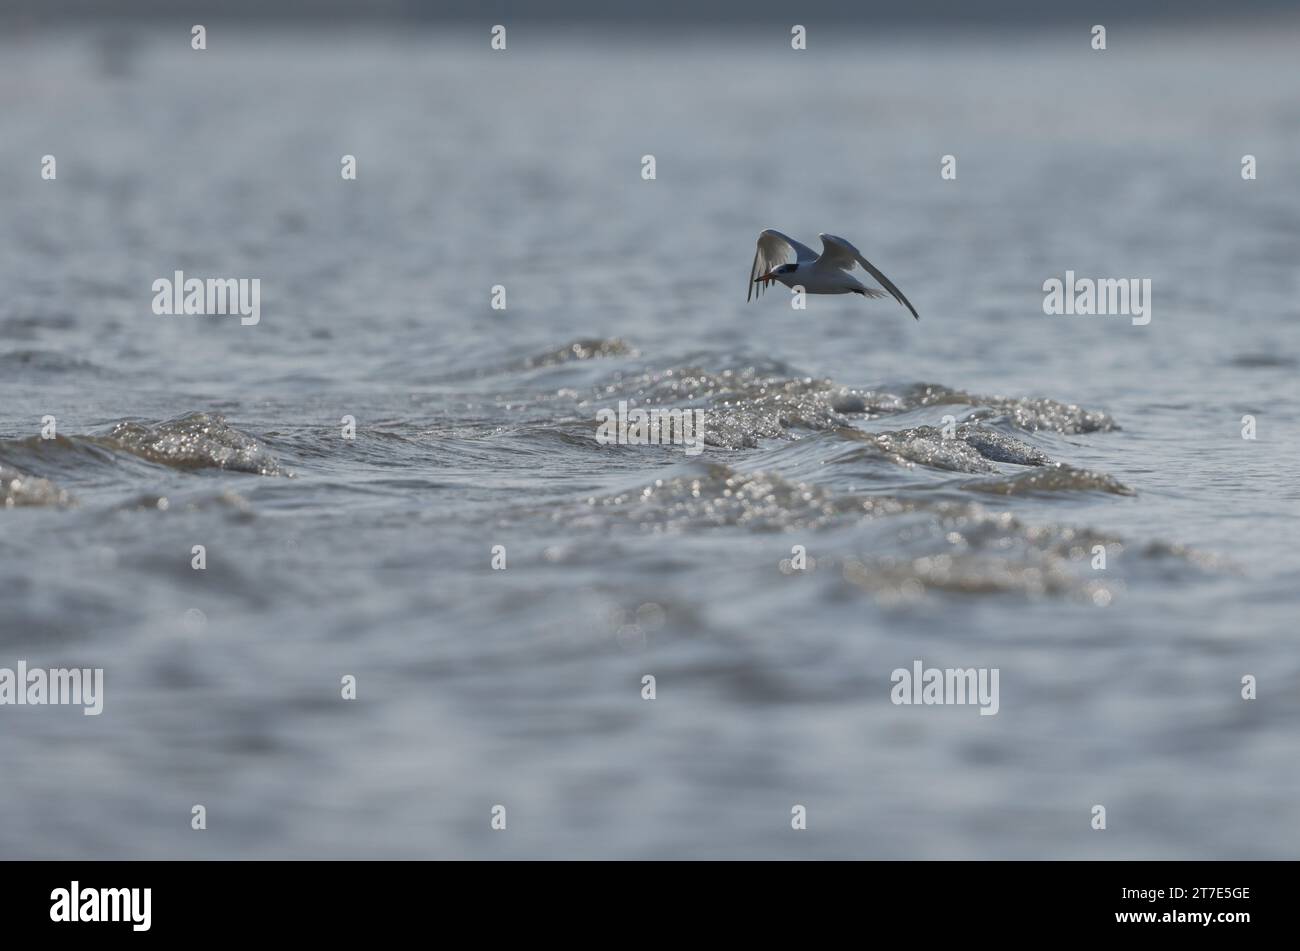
(913, 469)
(190, 441)
(193, 441)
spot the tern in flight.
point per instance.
(825, 273)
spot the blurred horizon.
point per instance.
(673, 14)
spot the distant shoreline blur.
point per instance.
(677, 15)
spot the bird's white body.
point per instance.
(823, 280)
(831, 272)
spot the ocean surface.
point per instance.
(476, 427)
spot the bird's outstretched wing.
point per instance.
(836, 252)
(775, 249)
